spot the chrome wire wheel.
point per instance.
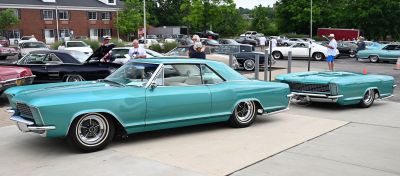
(368, 97)
(74, 78)
(92, 130)
(249, 64)
(244, 111)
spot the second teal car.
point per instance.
(389, 53)
(344, 88)
(144, 95)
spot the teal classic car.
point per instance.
(144, 95)
(389, 53)
(343, 88)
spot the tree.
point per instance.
(131, 17)
(7, 19)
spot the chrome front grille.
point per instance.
(317, 88)
(24, 110)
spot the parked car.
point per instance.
(148, 42)
(184, 41)
(301, 50)
(247, 40)
(233, 48)
(208, 34)
(30, 38)
(121, 54)
(4, 41)
(345, 48)
(76, 46)
(389, 53)
(209, 42)
(57, 66)
(25, 47)
(7, 51)
(343, 88)
(132, 100)
(228, 41)
(373, 45)
(14, 76)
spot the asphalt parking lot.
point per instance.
(310, 139)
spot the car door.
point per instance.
(299, 50)
(394, 54)
(179, 99)
(34, 61)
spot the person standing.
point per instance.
(137, 51)
(195, 38)
(273, 42)
(198, 51)
(360, 44)
(331, 51)
(262, 40)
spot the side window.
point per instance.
(209, 76)
(182, 75)
(52, 59)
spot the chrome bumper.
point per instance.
(318, 97)
(28, 126)
(17, 81)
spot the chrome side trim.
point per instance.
(15, 79)
(318, 95)
(279, 111)
(35, 128)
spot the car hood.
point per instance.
(316, 77)
(66, 93)
(13, 72)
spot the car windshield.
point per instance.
(119, 53)
(153, 53)
(33, 45)
(76, 44)
(180, 51)
(227, 49)
(133, 74)
(213, 42)
(80, 56)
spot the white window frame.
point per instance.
(47, 18)
(108, 33)
(90, 16)
(65, 12)
(109, 15)
(67, 32)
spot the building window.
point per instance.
(14, 34)
(93, 33)
(17, 13)
(105, 15)
(49, 33)
(64, 33)
(111, 1)
(63, 15)
(47, 14)
(92, 15)
(105, 32)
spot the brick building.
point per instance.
(52, 20)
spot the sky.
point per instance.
(251, 3)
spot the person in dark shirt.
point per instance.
(360, 44)
(195, 38)
(198, 52)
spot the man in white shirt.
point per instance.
(262, 40)
(273, 42)
(331, 51)
(137, 51)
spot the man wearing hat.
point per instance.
(331, 51)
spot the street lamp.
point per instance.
(310, 45)
(144, 21)
(311, 20)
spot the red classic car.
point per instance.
(14, 76)
(6, 51)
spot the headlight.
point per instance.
(334, 89)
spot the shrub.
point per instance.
(168, 46)
(55, 45)
(93, 44)
(117, 43)
(156, 47)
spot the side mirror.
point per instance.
(153, 85)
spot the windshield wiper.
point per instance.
(111, 81)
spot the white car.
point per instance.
(27, 46)
(292, 41)
(301, 50)
(76, 46)
(121, 54)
